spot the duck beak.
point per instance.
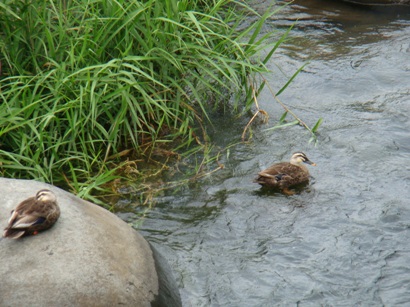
(310, 162)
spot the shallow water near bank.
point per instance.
(345, 239)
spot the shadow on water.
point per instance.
(295, 190)
(344, 239)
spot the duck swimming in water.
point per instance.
(284, 175)
(33, 215)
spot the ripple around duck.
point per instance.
(342, 241)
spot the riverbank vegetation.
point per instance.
(93, 91)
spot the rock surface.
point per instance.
(89, 258)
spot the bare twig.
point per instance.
(258, 111)
(301, 122)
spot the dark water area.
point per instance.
(345, 239)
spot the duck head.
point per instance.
(46, 195)
(299, 157)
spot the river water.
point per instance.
(345, 239)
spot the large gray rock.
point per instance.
(89, 258)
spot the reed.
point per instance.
(86, 86)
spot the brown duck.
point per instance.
(33, 215)
(284, 175)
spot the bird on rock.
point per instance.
(33, 215)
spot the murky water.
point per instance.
(343, 241)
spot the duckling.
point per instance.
(284, 175)
(33, 215)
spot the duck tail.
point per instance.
(13, 233)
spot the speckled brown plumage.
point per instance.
(284, 175)
(32, 215)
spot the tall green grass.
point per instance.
(86, 84)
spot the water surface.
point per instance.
(344, 240)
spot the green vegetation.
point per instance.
(89, 87)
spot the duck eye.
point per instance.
(40, 195)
